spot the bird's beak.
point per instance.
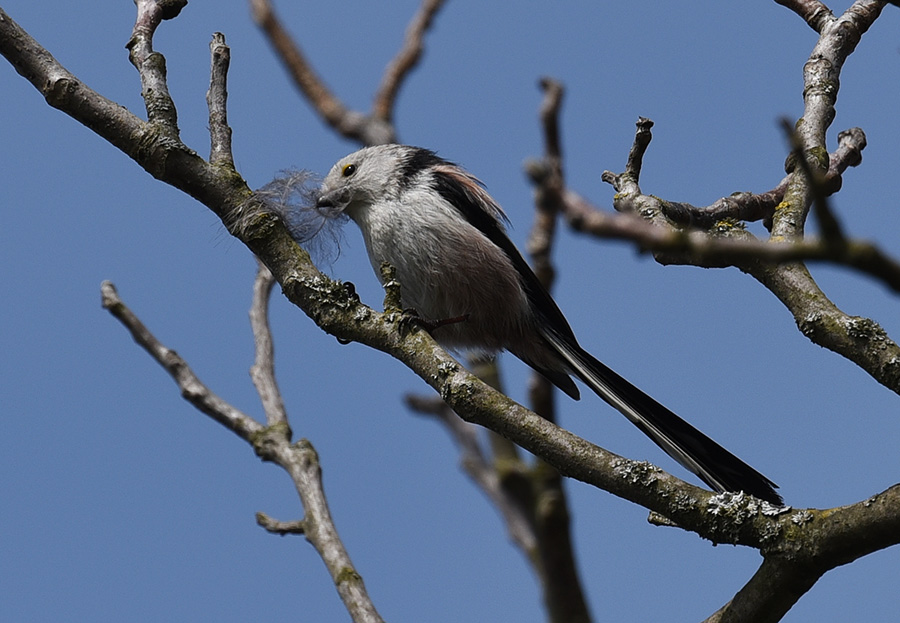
(333, 201)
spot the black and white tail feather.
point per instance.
(715, 465)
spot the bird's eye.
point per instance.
(348, 170)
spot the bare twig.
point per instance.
(374, 128)
(271, 443)
(480, 470)
(351, 124)
(302, 462)
(263, 369)
(216, 100)
(192, 389)
(152, 65)
(551, 107)
(628, 183)
(547, 176)
(280, 527)
(744, 206)
(405, 60)
(814, 12)
(354, 125)
(555, 558)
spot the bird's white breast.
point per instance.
(446, 268)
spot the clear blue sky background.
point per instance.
(120, 502)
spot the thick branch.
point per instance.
(771, 592)
(859, 339)
(818, 542)
(65, 92)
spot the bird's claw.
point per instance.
(411, 318)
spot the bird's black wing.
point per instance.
(466, 195)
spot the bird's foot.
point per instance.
(411, 318)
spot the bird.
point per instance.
(446, 239)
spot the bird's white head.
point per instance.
(365, 177)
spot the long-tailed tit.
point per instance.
(446, 238)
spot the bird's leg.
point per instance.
(412, 318)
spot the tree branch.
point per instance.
(725, 244)
(301, 461)
(814, 12)
(821, 82)
(824, 540)
(151, 65)
(484, 475)
(280, 528)
(65, 92)
(774, 263)
(405, 61)
(271, 443)
(192, 389)
(350, 124)
(263, 369)
(375, 128)
(563, 594)
(216, 100)
(744, 206)
(724, 518)
(773, 590)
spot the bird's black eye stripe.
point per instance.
(348, 170)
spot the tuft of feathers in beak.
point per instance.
(293, 195)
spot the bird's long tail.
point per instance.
(715, 465)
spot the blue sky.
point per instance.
(120, 502)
